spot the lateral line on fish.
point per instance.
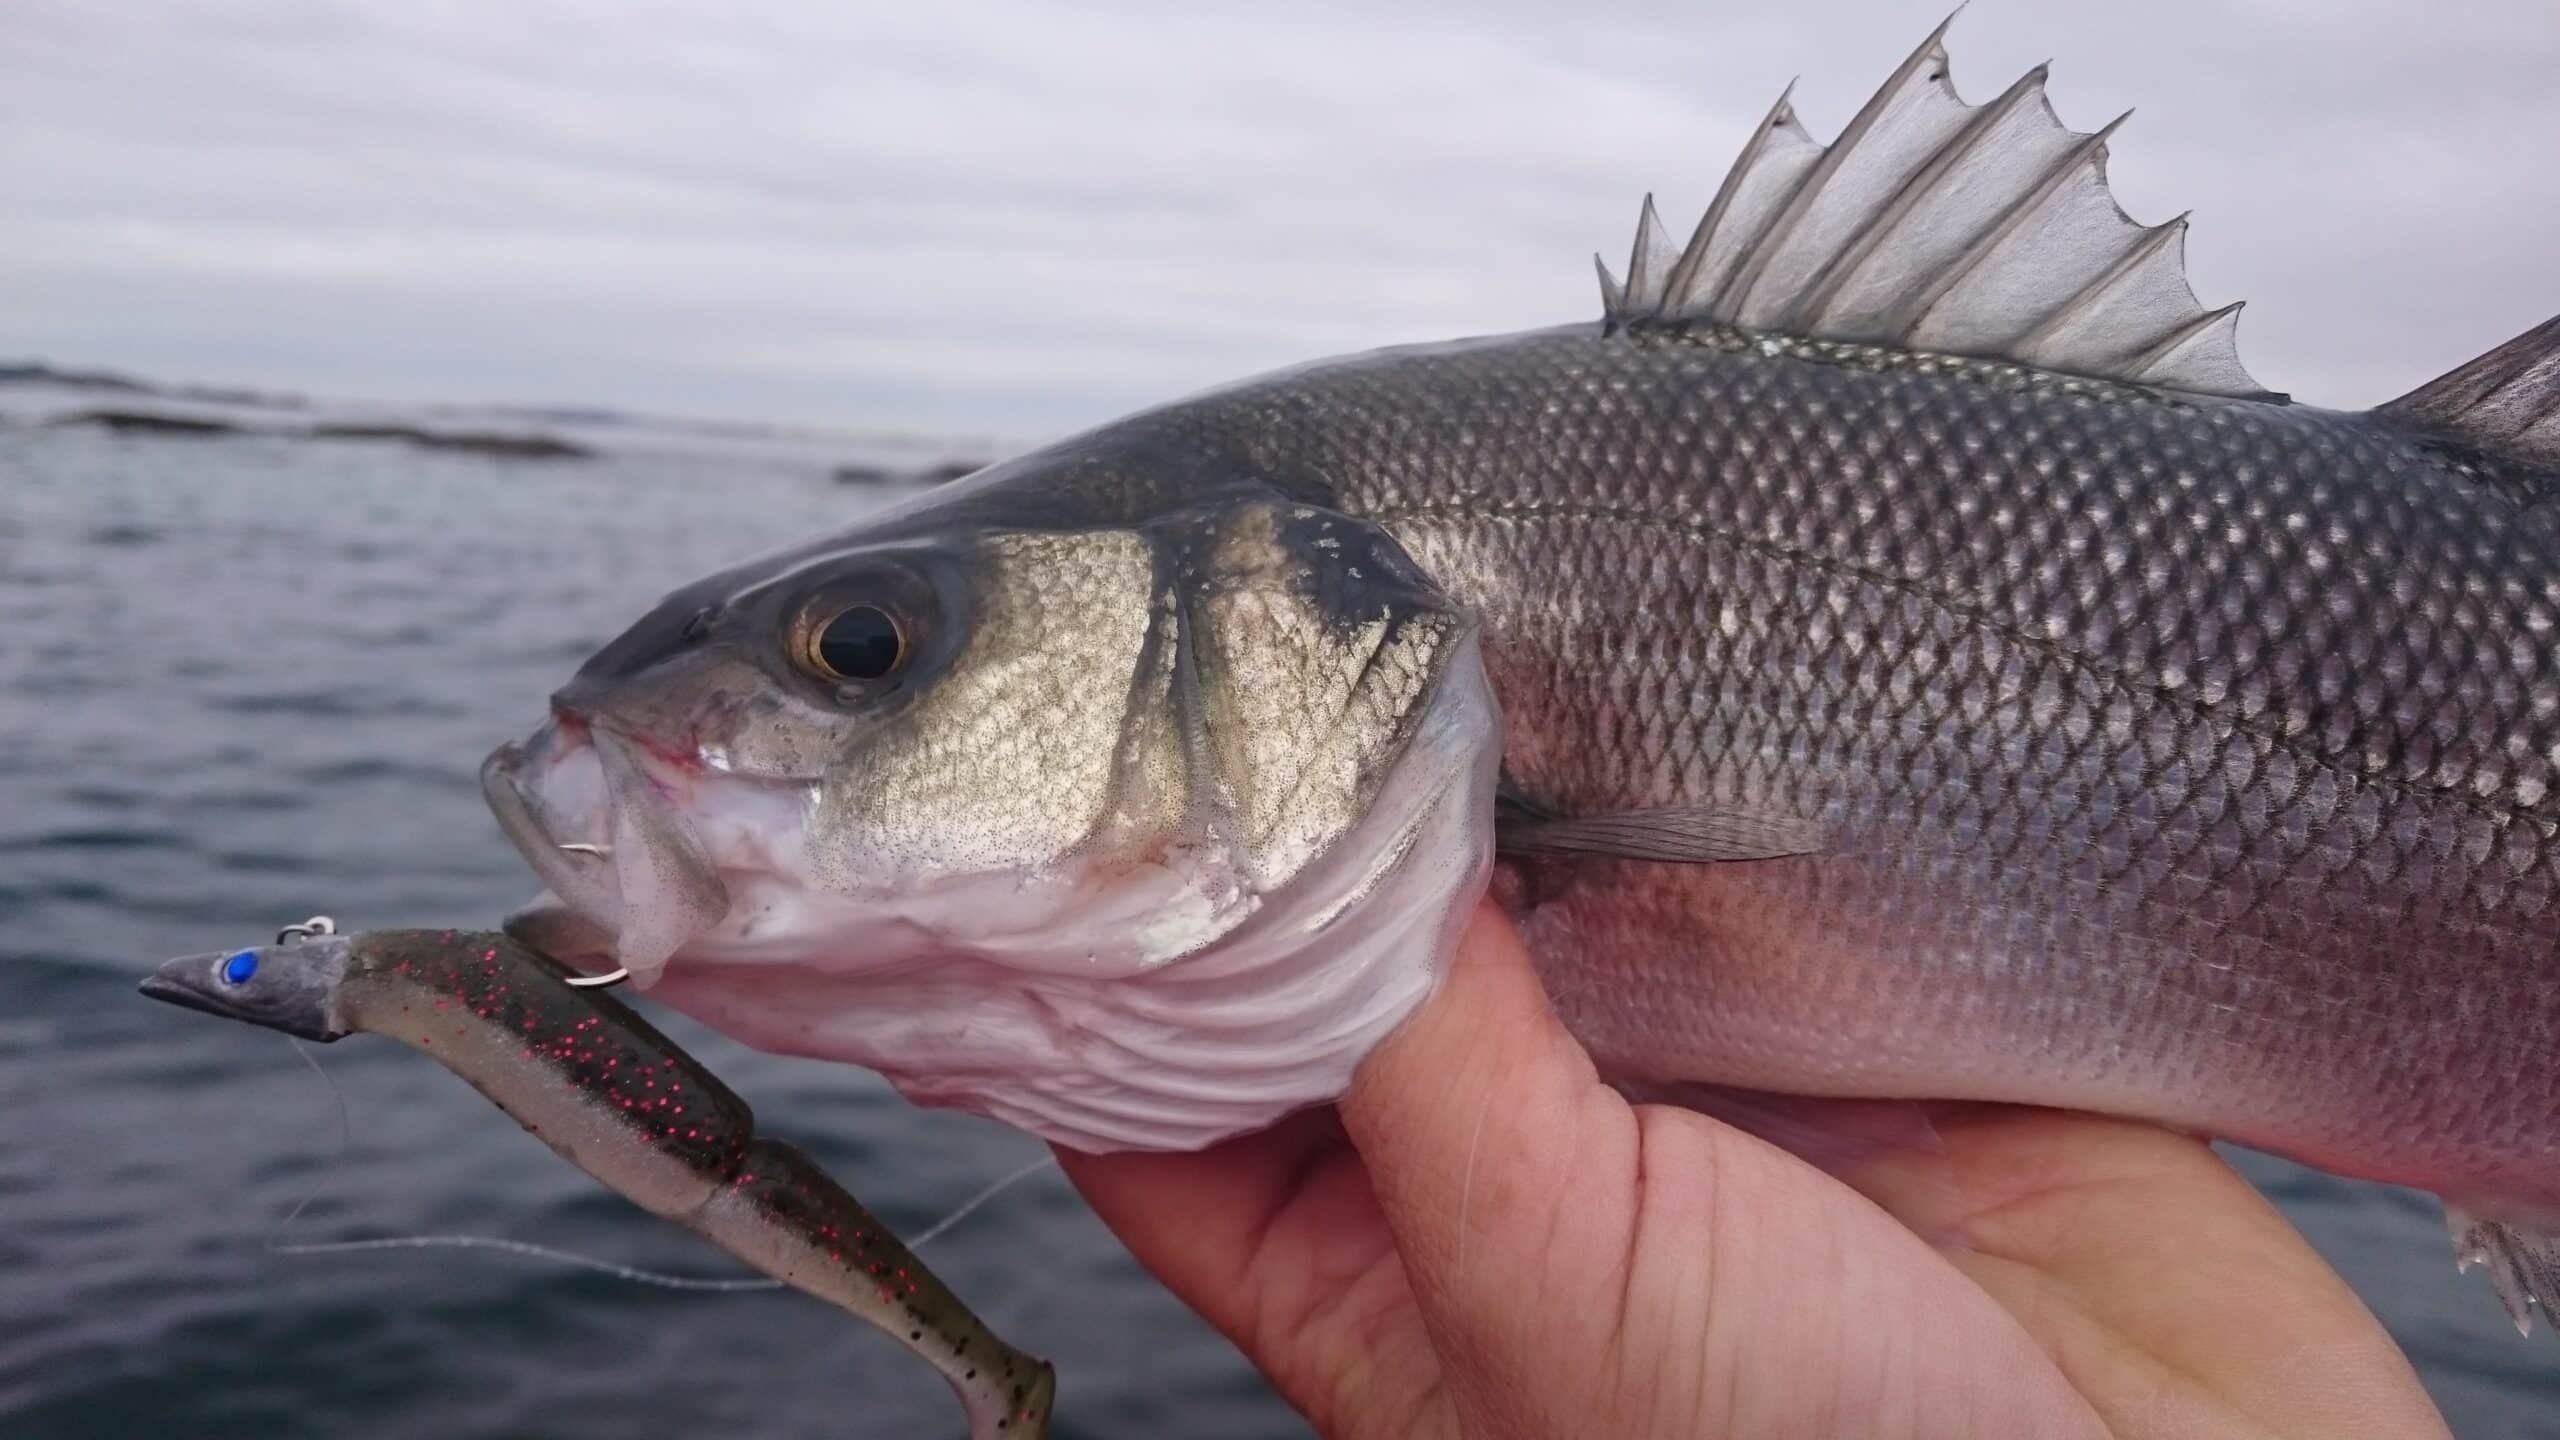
(1501, 510)
(1867, 355)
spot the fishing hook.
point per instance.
(324, 925)
(593, 982)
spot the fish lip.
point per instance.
(519, 811)
(503, 787)
(581, 725)
(594, 884)
(515, 806)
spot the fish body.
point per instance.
(2175, 756)
(1898, 649)
(627, 1105)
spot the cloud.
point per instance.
(1032, 215)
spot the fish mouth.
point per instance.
(595, 813)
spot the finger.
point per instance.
(1589, 1267)
(1275, 1239)
(2178, 1297)
(1480, 1117)
(1201, 1220)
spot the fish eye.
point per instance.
(861, 642)
(238, 969)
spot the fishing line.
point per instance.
(1467, 1177)
(337, 1152)
(529, 1251)
(934, 1231)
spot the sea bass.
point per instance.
(1897, 651)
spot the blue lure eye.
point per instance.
(238, 969)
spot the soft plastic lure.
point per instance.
(627, 1105)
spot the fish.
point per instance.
(622, 1102)
(1896, 650)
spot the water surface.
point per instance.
(247, 679)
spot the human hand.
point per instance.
(1485, 1240)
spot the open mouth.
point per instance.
(585, 809)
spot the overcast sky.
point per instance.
(1028, 215)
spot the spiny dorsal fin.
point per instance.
(1930, 224)
(2507, 402)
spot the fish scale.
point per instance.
(1984, 689)
(2096, 754)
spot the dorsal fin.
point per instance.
(2507, 402)
(1984, 230)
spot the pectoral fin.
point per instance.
(2523, 1262)
(1680, 834)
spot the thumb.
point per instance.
(1468, 1116)
(1505, 1169)
(1584, 1266)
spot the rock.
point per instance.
(146, 422)
(473, 442)
(36, 372)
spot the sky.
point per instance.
(1025, 216)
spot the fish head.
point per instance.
(985, 794)
(296, 986)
